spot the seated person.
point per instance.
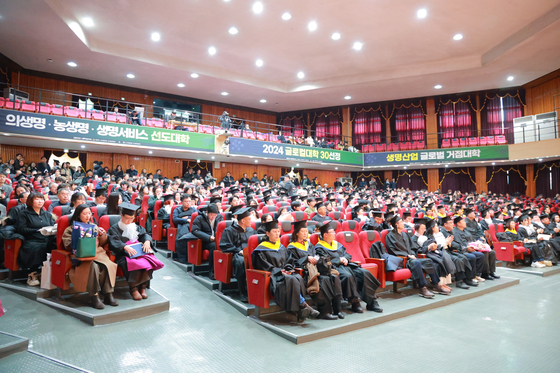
(282, 214)
(528, 234)
(76, 200)
(265, 218)
(35, 246)
(461, 240)
(16, 210)
(204, 228)
(100, 197)
(356, 281)
(399, 243)
(164, 213)
(138, 271)
(435, 247)
(553, 252)
(323, 286)
(287, 287)
(182, 220)
(63, 195)
(233, 240)
(96, 277)
(321, 215)
(377, 223)
(113, 202)
(465, 263)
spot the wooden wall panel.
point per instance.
(106, 158)
(30, 154)
(244, 114)
(122, 160)
(480, 179)
(328, 177)
(540, 98)
(169, 167)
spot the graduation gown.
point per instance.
(234, 239)
(371, 225)
(537, 248)
(392, 263)
(460, 260)
(401, 245)
(164, 216)
(329, 285)
(356, 282)
(440, 257)
(321, 219)
(286, 289)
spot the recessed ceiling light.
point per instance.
(421, 13)
(301, 75)
(212, 51)
(263, 101)
(89, 93)
(87, 22)
(156, 36)
(445, 165)
(194, 75)
(439, 86)
(150, 152)
(493, 163)
(256, 161)
(225, 93)
(233, 30)
(312, 26)
(357, 46)
(457, 37)
(122, 98)
(336, 168)
(83, 146)
(335, 36)
(180, 85)
(297, 164)
(347, 97)
(540, 159)
(286, 16)
(259, 63)
(510, 78)
(130, 76)
(257, 7)
(213, 157)
(405, 167)
(72, 64)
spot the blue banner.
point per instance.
(239, 146)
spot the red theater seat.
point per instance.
(352, 226)
(27, 105)
(463, 142)
(507, 251)
(337, 215)
(445, 143)
(490, 140)
(501, 140)
(483, 141)
(222, 261)
(473, 141)
(299, 215)
(367, 238)
(455, 143)
(352, 244)
(380, 148)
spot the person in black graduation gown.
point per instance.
(435, 249)
(321, 215)
(204, 227)
(554, 241)
(528, 234)
(182, 220)
(356, 282)
(485, 262)
(465, 262)
(121, 236)
(287, 287)
(301, 254)
(399, 243)
(233, 240)
(376, 223)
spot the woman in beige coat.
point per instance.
(95, 276)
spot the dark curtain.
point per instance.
(378, 175)
(408, 124)
(328, 126)
(203, 166)
(491, 114)
(546, 172)
(367, 128)
(506, 180)
(293, 125)
(456, 119)
(413, 180)
(457, 179)
(82, 156)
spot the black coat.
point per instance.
(35, 246)
(117, 243)
(201, 227)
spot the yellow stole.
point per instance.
(300, 246)
(334, 246)
(271, 246)
(441, 215)
(511, 231)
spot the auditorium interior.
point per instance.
(432, 113)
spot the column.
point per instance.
(531, 184)
(480, 179)
(433, 179)
(431, 124)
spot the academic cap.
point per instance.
(128, 208)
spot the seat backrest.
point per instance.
(335, 225)
(299, 215)
(171, 217)
(351, 242)
(285, 239)
(366, 239)
(219, 230)
(314, 238)
(351, 225)
(286, 227)
(383, 234)
(254, 241)
(11, 203)
(269, 209)
(492, 230)
(336, 215)
(157, 206)
(61, 226)
(47, 205)
(193, 216)
(61, 210)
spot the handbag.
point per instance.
(84, 240)
(46, 274)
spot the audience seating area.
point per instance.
(474, 141)
(394, 147)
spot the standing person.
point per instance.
(356, 281)
(228, 180)
(225, 121)
(287, 287)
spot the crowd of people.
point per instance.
(442, 238)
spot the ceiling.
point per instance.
(402, 56)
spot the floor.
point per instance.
(511, 330)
